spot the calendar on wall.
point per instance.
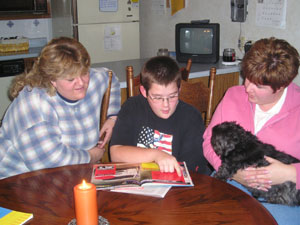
(271, 13)
(108, 5)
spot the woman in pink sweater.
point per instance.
(267, 105)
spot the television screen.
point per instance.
(196, 40)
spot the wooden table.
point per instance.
(48, 194)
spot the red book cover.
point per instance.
(173, 177)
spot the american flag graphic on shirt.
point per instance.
(149, 138)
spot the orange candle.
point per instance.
(86, 209)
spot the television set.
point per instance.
(198, 41)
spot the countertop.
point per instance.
(35, 47)
(119, 67)
(197, 69)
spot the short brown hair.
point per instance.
(60, 58)
(162, 70)
(273, 62)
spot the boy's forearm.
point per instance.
(132, 154)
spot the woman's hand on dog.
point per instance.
(280, 172)
(262, 178)
(258, 178)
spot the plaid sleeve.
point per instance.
(37, 136)
(3, 146)
(42, 147)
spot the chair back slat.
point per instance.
(103, 115)
(195, 94)
(185, 71)
(212, 75)
(133, 83)
(105, 100)
(199, 95)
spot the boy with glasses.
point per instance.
(156, 125)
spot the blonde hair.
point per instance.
(61, 58)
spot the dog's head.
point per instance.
(226, 136)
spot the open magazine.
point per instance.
(121, 175)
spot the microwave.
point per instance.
(23, 6)
(11, 67)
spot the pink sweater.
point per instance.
(282, 130)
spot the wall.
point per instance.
(158, 31)
(30, 28)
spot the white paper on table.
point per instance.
(271, 13)
(154, 191)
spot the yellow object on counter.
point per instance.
(14, 45)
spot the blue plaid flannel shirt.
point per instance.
(41, 131)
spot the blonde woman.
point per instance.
(54, 117)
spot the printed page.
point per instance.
(154, 191)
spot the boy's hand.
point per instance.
(168, 163)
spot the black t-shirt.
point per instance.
(180, 134)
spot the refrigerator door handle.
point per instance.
(74, 11)
(75, 32)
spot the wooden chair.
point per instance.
(185, 71)
(199, 95)
(103, 114)
(133, 83)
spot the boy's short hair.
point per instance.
(272, 62)
(162, 70)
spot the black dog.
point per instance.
(239, 149)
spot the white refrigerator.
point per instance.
(109, 29)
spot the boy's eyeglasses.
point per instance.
(160, 99)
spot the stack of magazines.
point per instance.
(139, 178)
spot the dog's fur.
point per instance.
(239, 149)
